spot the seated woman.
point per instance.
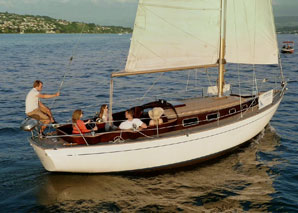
(79, 126)
(103, 117)
(155, 115)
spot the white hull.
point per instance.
(287, 50)
(154, 153)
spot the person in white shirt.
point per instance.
(35, 108)
(132, 123)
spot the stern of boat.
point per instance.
(42, 154)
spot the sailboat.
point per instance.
(168, 36)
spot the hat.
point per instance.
(155, 113)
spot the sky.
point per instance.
(104, 12)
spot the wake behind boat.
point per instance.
(178, 36)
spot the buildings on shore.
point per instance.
(14, 23)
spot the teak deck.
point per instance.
(202, 105)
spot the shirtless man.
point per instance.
(35, 108)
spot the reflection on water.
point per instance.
(240, 181)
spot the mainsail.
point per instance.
(174, 33)
(171, 34)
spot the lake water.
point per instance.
(262, 176)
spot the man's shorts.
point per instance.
(39, 115)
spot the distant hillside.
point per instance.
(286, 21)
(286, 24)
(14, 23)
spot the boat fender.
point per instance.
(29, 124)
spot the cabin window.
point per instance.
(232, 111)
(254, 102)
(190, 122)
(213, 116)
(244, 106)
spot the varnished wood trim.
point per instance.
(124, 73)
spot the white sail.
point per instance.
(250, 32)
(174, 34)
(171, 34)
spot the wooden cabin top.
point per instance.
(201, 105)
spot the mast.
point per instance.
(221, 61)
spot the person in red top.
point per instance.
(79, 126)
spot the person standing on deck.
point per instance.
(35, 108)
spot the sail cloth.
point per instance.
(174, 33)
(250, 32)
(171, 34)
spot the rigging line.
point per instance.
(137, 99)
(180, 114)
(81, 134)
(281, 68)
(74, 50)
(239, 88)
(254, 49)
(173, 94)
(279, 58)
(150, 50)
(238, 66)
(169, 94)
(143, 133)
(196, 78)
(161, 74)
(255, 98)
(208, 77)
(255, 79)
(187, 82)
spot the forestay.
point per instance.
(174, 34)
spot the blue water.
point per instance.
(262, 176)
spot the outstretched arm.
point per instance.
(46, 96)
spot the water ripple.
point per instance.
(258, 177)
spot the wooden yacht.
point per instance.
(179, 36)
